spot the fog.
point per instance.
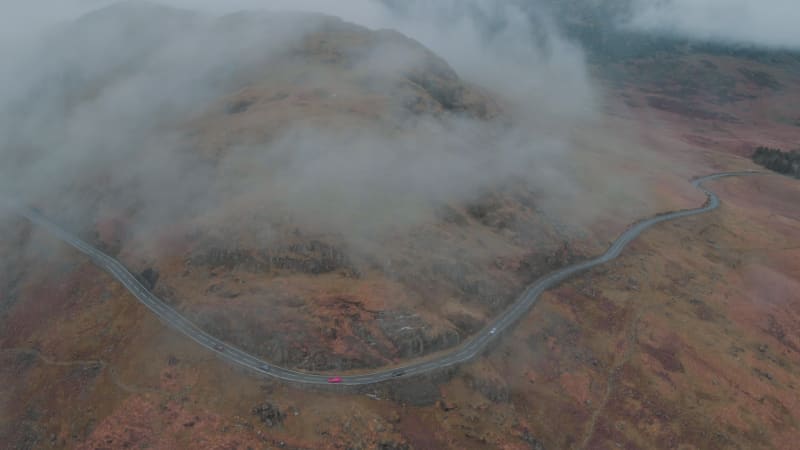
(769, 23)
(95, 113)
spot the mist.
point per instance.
(766, 23)
(94, 114)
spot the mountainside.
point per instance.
(333, 198)
(330, 284)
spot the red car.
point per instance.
(334, 380)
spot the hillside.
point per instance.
(335, 198)
(339, 289)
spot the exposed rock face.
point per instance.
(410, 334)
(532, 442)
(269, 414)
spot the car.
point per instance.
(493, 330)
(219, 347)
(265, 367)
(398, 373)
(335, 380)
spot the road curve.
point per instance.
(464, 352)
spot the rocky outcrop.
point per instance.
(535, 264)
(269, 414)
(465, 323)
(411, 335)
(533, 443)
(493, 390)
(313, 257)
(469, 281)
(288, 344)
(229, 259)
(392, 446)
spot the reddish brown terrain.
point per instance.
(691, 339)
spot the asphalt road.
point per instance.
(464, 352)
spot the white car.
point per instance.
(493, 330)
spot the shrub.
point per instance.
(777, 160)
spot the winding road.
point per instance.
(464, 352)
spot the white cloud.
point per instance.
(75, 107)
(772, 23)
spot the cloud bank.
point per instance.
(108, 99)
(768, 23)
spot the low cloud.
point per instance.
(768, 23)
(109, 103)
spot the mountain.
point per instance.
(338, 199)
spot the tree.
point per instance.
(777, 160)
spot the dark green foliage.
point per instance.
(787, 163)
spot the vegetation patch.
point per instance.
(787, 163)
